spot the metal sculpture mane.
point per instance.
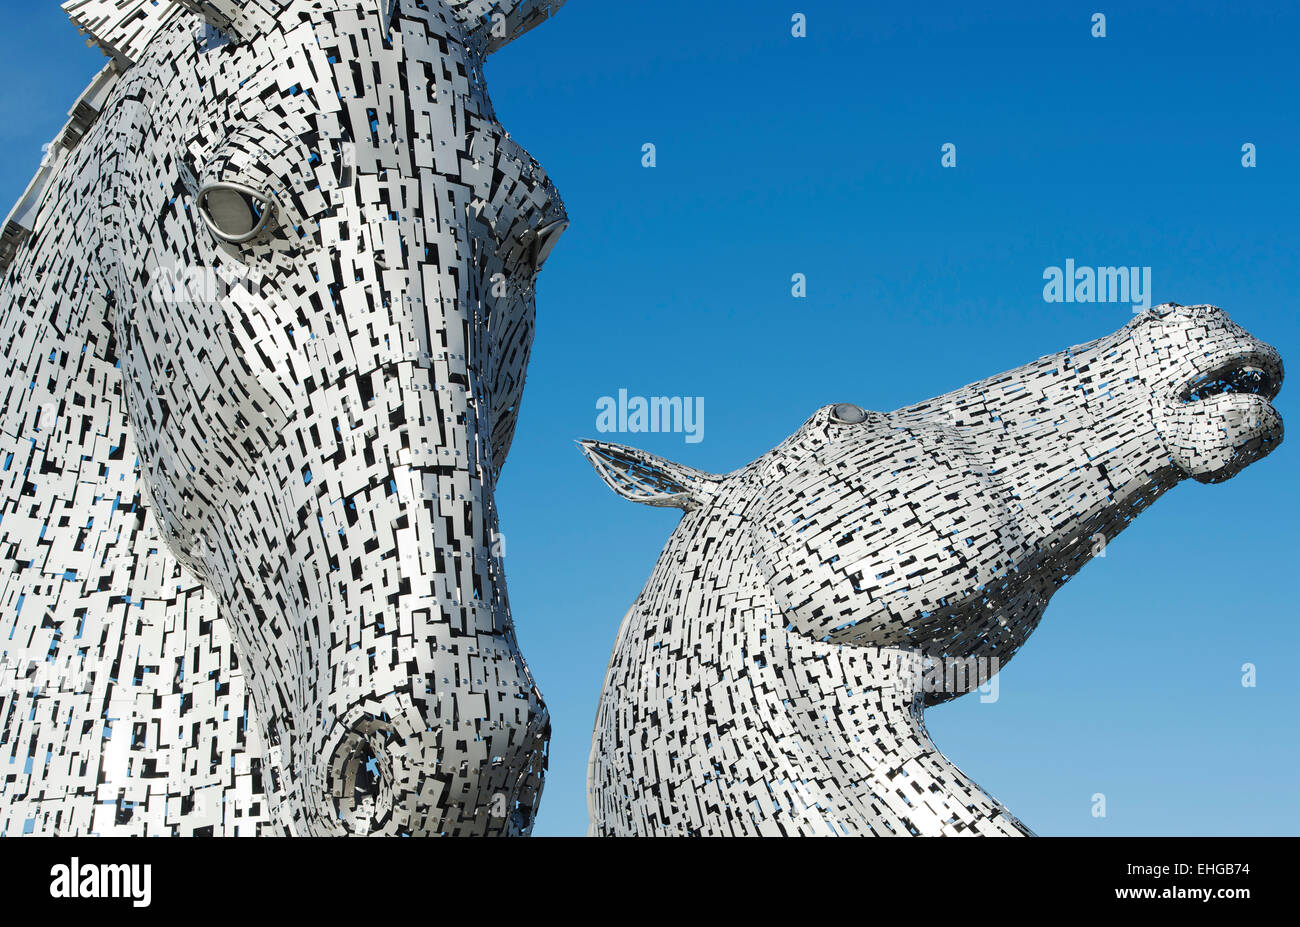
(771, 677)
(266, 314)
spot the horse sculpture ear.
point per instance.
(238, 20)
(503, 21)
(647, 478)
(122, 28)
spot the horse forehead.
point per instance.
(366, 81)
(354, 47)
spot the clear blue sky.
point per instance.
(821, 156)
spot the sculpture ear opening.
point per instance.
(648, 478)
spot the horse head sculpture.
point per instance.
(275, 292)
(771, 676)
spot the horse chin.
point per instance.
(1215, 439)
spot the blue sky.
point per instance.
(821, 156)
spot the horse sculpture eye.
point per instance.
(234, 212)
(544, 241)
(846, 413)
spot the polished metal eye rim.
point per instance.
(546, 239)
(846, 413)
(538, 243)
(261, 196)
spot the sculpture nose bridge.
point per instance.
(412, 683)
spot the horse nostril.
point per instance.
(359, 782)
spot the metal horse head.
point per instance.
(305, 248)
(771, 676)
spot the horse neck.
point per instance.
(772, 693)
